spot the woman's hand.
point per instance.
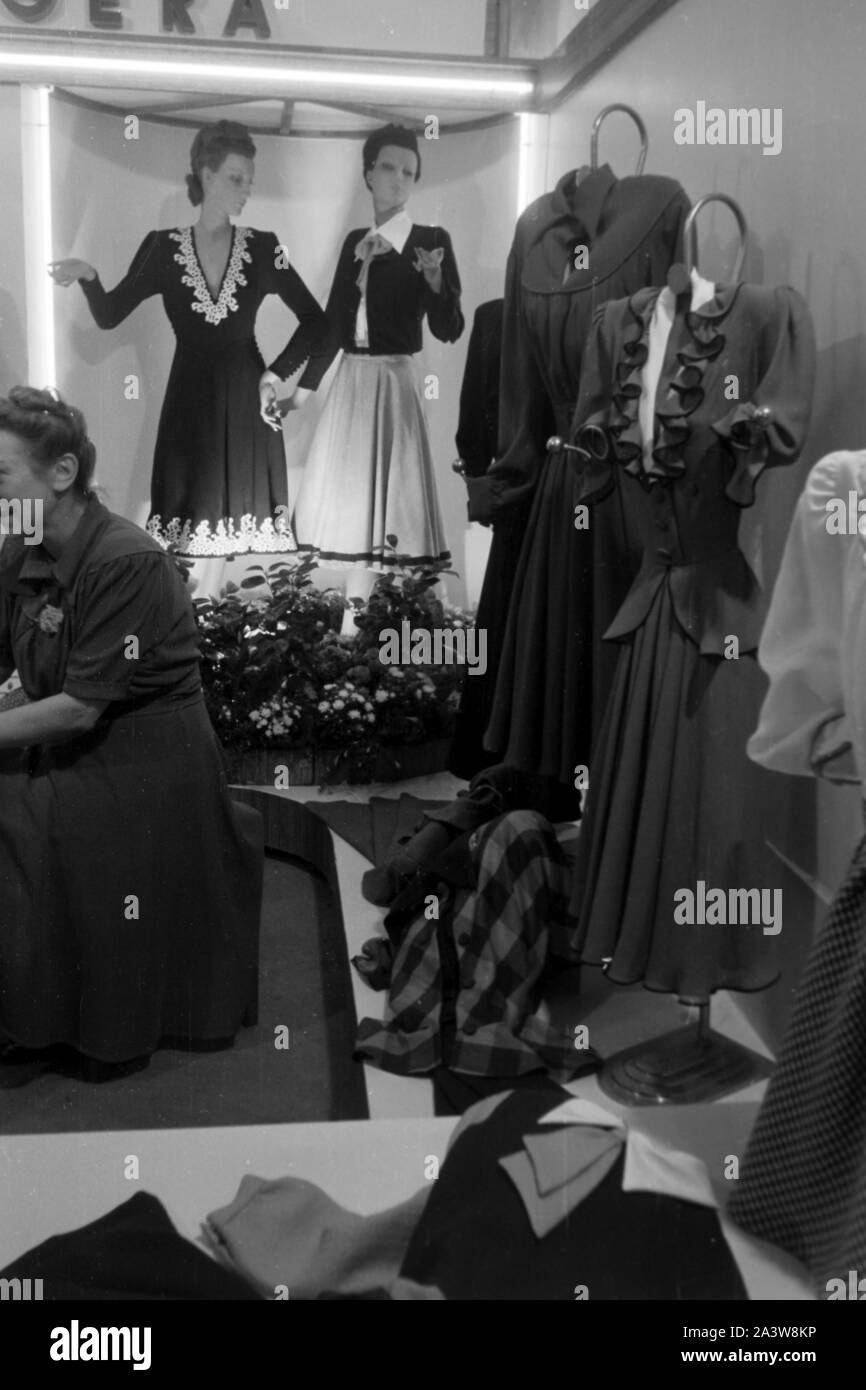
(430, 265)
(269, 409)
(67, 272)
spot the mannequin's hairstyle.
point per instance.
(390, 135)
(209, 149)
(49, 427)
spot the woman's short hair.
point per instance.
(49, 427)
(390, 135)
(209, 149)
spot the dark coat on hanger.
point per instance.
(478, 425)
(631, 229)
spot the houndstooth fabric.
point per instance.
(803, 1180)
(464, 987)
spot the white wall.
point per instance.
(110, 191)
(13, 317)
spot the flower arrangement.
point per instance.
(277, 673)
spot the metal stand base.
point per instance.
(690, 1064)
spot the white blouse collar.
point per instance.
(396, 229)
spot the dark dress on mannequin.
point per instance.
(219, 472)
(130, 887)
(535, 701)
(673, 798)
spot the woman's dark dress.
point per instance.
(219, 472)
(673, 798)
(129, 896)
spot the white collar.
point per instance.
(396, 229)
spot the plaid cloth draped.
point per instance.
(464, 987)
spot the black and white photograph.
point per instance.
(432, 669)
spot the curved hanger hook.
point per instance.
(690, 232)
(596, 127)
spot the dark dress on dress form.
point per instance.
(219, 472)
(129, 891)
(535, 701)
(673, 797)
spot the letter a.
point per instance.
(282, 1038)
(581, 258)
(581, 778)
(581, 1037)
(130, 1168)
(431, 387)
(431, 908)
(130, 648)
(581, 517)
(130, 907)
(130, 128)
(431, 1167)
(130, 387)
(684, 130)
(836, 1289)
(732, 388)
(732, 647)
(389, 652)
(684, 914)
(732, 1166)
(281, 777)
(431, 127)
(837, 517)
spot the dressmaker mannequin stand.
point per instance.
(693, 1063)
(687, 1065)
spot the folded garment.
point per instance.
(525, 1211)
(133, 1252)
(289, 1238)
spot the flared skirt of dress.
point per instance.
(369, 472)
(130, 891)
(219, 482)
(673, 803)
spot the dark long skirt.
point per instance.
(674, 800)
(129, 894)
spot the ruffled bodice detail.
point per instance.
(733, 398)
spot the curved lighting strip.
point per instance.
(56, 63)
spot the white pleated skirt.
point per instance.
(368, 495)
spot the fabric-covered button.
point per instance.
(463, 939)
(469, 1028)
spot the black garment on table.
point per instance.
(478, 424)
(219, 472)
(474, 1239)
(133, 1252)
(398, 298)
(632, 229)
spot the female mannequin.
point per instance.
(219, 474)
(369, 473)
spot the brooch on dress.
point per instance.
(50, 619)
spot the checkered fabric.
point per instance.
(803, 1180)
(464, 988)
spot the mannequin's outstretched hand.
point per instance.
(67, 272)
(430, 265)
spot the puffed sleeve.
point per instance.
(814, 712)
(444, 315)
(786, 359)
(141, 281)
(133, 596)
(526, 418)
(278, 276)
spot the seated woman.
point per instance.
(129, 892)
